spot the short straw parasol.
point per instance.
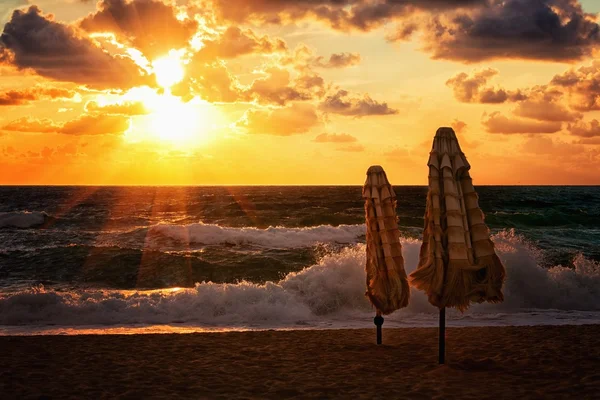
(387, 284)
(457, 263)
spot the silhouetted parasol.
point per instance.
(457, 263)
(387, 285)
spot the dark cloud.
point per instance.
(7, 7)
(33, 41)
(25, 96)
(342, 103)
(125, 108)
(498, 123)
(340, 14)
(149, 25)
(552, 30)
(86, 124)
(338, 60)
(335, 138)
(472, 88)
(585, 130)
(295, 119)
(235, 42)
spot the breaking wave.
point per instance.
(22, 219)
(273, 237)
(331, 289)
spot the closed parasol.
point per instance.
(387, 284)
(458, 264)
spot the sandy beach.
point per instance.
(483, 363)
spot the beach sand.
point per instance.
(483, 363)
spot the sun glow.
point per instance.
(170, 120)
(173, 121)
(169, 69)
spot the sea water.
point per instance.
(180, 259)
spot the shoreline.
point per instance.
(483, 362)
(185, 329)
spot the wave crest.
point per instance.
(274, 237)
(23, 219)
(332, 288)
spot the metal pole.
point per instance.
(442, 332)
(378, 322)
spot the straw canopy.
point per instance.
(387, 284)
(457, 263)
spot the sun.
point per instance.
(172, 122)
(169, 69)
(169, 119)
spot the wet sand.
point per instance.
(483, 363)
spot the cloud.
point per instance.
(33, 41)
(295, 119)
(592, 141)
(86, 124)
(585, 130)
(544, 109)
(130, 108)
(472, 88)
(582, 85)
(551, 30)
(149, 25)
(7, 7)
(25, 96)
(342, 103)
(96, 125)
(339, 14)
(27, 124)
(335, 138)
(235, 42)
(545, 145)
(458, 126)
(212, 82)
(498, 123)
(462, 30)
(352, 148)
(338, 60)
(277, 88)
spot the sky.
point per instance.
(244, 92)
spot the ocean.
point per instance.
(179, 259)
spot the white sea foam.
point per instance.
(328, 294)
(273, 237)
(22, 219)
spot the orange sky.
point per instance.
(296, 92)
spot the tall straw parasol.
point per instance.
(387, 285)
(457, 263)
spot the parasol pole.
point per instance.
(442, 339)
(446, 260)
(378, 320)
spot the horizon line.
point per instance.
(266, 185)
